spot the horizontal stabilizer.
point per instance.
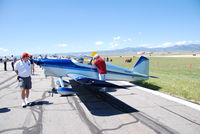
(153, 76)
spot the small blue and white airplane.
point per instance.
(86, 73)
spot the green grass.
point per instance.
(177, 76)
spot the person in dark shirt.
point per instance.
(32, 64)
(5, 59)
(12, 62)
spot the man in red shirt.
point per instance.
(101, 66)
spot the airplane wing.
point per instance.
(93, 82)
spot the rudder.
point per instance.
(142, 66)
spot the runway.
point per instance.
(127, 110)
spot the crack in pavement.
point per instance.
(92, 127)
(37, 127)
(157, 127)
(8, 85)
(37, 113)
(13, 76)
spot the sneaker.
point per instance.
(26, 101)
(23, 104)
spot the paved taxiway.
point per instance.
(124, 111)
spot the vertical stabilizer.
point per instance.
(142, 66)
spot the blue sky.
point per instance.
(59, 26)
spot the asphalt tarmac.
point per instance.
(128, 110)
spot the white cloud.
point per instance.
(170, 44)
(115, 41)
(181, 43)
(113, 45)
(197, 41)
(129, 39)
(99, 42)
(116, 38)
(62, 45)
(186, 42)
(139, 33)
(167, 44)
(144, 45)
(3, 50)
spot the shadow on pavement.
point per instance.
(100, 103)
(4, 110)
(147, 85)
(38, 103)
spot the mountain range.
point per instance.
(176, 48)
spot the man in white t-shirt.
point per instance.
(23, 70)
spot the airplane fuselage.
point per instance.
(63, 67)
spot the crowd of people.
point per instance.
(12, 59)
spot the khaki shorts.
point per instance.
(25, 82)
